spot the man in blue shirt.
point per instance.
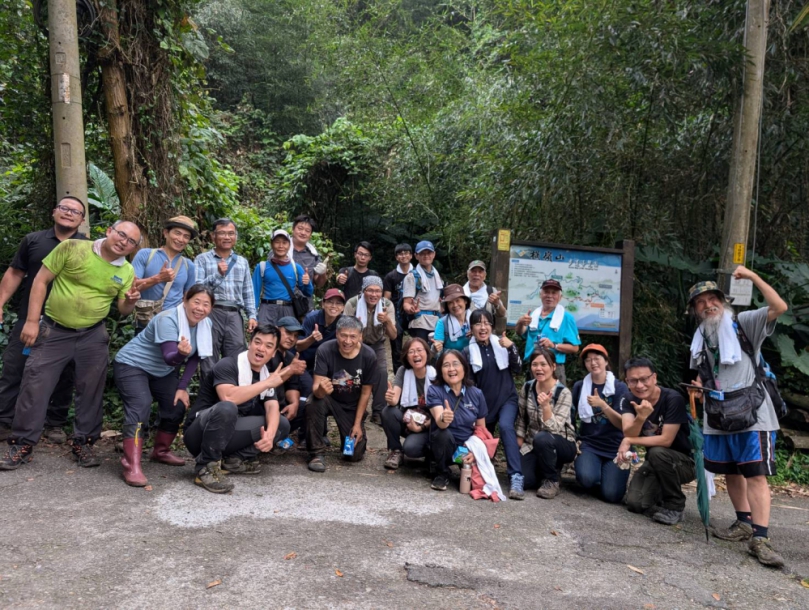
(550, 326)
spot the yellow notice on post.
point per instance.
(738, 254)
(503, 240)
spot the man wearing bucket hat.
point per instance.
(164, 274)
(740, 420)
(421, 290)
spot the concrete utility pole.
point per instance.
(745, 141)
(68, 123)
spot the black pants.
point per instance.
(218, 432)
(317, 410)
(659, 480)
(442, 446)
(550, 452)
(13, 366)
(396, 350)
(421, 333)
(381, 382)
(138, 388)
(227, 336)
(415, 445)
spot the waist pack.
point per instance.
(146, 309)
(738, 410)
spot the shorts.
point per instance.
(750, 454)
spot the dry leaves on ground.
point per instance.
(634, 569)
(716, 596)
(214, 583)
(339, 573)
(291, 555)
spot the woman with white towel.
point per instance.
(147, 369)
(597, 399)
(452, 331)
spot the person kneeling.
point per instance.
(237, 414)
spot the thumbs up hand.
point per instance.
(447, 415)
(166, 273)
(222, 267)
(305, 278)
(390, 395)
(316, 334)
(595, 400)
(297, 366)
(184, 346)
(505, 341)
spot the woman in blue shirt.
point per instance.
(146, 369)
(273, 300)
(452, 331)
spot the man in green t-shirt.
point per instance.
(87, 277)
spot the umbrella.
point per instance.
(697, 441)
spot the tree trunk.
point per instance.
(129, 177)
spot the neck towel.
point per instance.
(246, 375)
(410, 393)
(491, 486)
(455, 330)
(556, 320)
(401, 268)
(429, 280)
(309, 246)
(500, 354)
(118, 262)
(730, 352)
(204, 338)
(362, 311)
(480, 297)
(584, 408)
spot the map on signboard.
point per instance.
(591, 284)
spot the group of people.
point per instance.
(454, 385)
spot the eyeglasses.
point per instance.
(640, 380)
(415, 352)
(125, 237)
(363, 254)
(482, 324)
(225, 233)
(452, 365)
(69, 211)
(592, 359)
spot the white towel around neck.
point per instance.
(246, 375)
(730, 351)
(429, 283)
(362, 311)
(500, 354)
(204, 338)
(584, 408)
(490, 482)
(410, 391)
(454, 331)
(309, 246)
(480, 297)
(556, 320)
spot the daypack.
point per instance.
(764, 374)
(402, 317)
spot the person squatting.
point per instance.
(453, 376)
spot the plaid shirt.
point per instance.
(529, 417)
(236, 287)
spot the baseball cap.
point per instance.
(551, 284)
(280, 233)
(334, 293)
(594, 347)
(424, 245)
(474, 264)
(290, 324)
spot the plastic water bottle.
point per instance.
(348, 446)
(466, 479)
(285, 444)
(26, 350)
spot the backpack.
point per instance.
(402, 317)
(764, 375)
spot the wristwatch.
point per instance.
(554, 345)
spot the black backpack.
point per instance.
(764, 376)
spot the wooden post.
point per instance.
(498, 270)
(627, 298)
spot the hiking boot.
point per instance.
(84, 454)
(395, 459)
(212, 478)
(5, 431)
(668, 516)
(762, 550)
(317, 464)
(235, 465)
(55, 435)
(16, 456)
(548, 490)
(739, 531)
(517, 491)
(440, 482)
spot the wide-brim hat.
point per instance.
(455, 291)
(703, 287)
(182, 222)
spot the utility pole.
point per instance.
(68, 122)
(744, 154)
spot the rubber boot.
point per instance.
(130, 461)
(162, 449)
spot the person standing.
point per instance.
(87, 277)
(350, 279)
(422, 290)
(275, 281)
(482, 295)
(67, 216)
(392, 290)
(305, 254)
(745, 455)
(228, 275)
(551, 327)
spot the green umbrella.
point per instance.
(697, 441)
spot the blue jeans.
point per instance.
(506, 417)
(595, 471)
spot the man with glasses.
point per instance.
(164, 274)
(228, 275)
(392, 290)
(87, 277)
(67, 217)
(422, 290)
(656, 418)
(349, 279)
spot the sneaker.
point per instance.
(762, 550)
(85, 456)
(235, 465)
(55, 435)
(213, 478)
(548, 490)
(668, 516)
(517, 491)
(16, 456)
(5, 432)
(395, 459)
(317, 464)
(739, 531)
(440, 482)
(376, 418)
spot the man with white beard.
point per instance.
(740, 420)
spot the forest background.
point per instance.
(397, 120)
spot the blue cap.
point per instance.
(424, 245)
(290, 324)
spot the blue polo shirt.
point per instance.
(567, 333)
(471, 407)
(183, 280)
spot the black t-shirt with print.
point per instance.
(347, 375)
(353, 284)
(669, 409)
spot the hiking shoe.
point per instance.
(213, 478)
(235, 465)
(395, 459)
(517, 491)
(55, 435)
(668, 516)
(5, 432)
(440, 482)
(85, 456)
(548, 490)
(762, 550)
(16, 456)
(376, 418)
(739, 531)
(317, 464)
